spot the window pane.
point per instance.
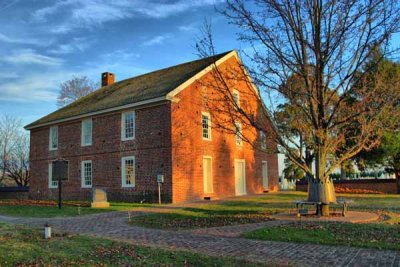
(87, 174)
(129, 172)
(263, 140)
(129, 124)
(54, 137)
(238, 127)
(206, 130)
(87, 132)
(52, 183)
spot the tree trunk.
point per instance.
(320, 188)
(324, 192)
(342, 173)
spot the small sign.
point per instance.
(60, 170)
(160, 178)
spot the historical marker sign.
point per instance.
(60, 170)
(60, 173)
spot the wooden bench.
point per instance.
(300, 206)
(302, 211)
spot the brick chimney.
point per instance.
(107, 78)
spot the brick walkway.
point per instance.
(217, 242)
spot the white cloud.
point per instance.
(28, 56)
(77, 44)
(91, 13)
(157, 40)
(187, 28)
(30, 88)
(24, 40)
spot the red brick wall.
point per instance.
(157, 127)
(189, 147)
(151, 148)
(387, 186)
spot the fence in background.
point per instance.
(385, 186)
(17, 192)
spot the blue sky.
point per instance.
(45, 42)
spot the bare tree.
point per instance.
(74, 89)
(324, 45)
(17, 166)
(9, 128)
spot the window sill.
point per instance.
(127, 139)
(128, 186)
(83, 145)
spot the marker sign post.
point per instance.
(60, 173)
(160, 180)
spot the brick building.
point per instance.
(124, 134)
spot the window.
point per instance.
(87, 173)
(238, 129)
(263, 140)
(128, 126)
(206, 125)
(87, 132)
(236, 98)
(52, 183)
(128, 172)
(53, 138)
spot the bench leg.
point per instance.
(318, 211)
(344, 210)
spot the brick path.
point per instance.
(217, 242)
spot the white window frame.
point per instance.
(209, 126)
(205, 182)
(123, 126)
(238, 134)
(263, 140)
(83, 134)
(123, 172)
(83, 174)
(237, 100)
(52, 184)
(51, 137)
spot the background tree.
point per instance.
(386, 155)
(74, 89)
(9, 127)
(384, 73)
(14, 153)
(325, 45)
(292, 172)
(17, 166)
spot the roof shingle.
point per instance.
(140, 88)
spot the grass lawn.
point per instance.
(45, 211)
(21, 246)
(257, 208)
(380, 236)
(32, 209)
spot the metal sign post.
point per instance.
(60, 173)
(59, 192)
(160, 180)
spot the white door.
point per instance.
(240, 177)
(207, 175)
(265, 174)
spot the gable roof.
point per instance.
(147, 88)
